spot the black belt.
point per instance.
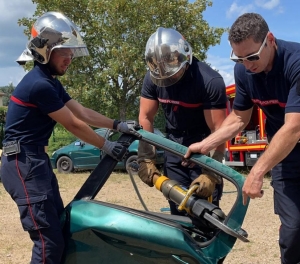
(186, 132)
(14, 147)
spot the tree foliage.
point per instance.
(116, 32)
(3, 111)
(7, 90)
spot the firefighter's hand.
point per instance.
(206, 184)
(187, 163)
(147, 170)
(196, 148)
(123, 127)
(252, 187)
(115, 150)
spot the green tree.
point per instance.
(116, 32)
(7, 90)
(3, 111)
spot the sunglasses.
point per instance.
(252, 57)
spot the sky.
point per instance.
(282, 17)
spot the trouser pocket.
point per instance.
(32, 212)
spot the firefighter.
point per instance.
(267, 73)
(37, 103)
(193, 98)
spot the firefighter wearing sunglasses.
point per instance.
(267, 73)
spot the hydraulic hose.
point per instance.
(133, 166)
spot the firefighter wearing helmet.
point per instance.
(51, 31)
(193, 99)
(167, 54)
(38, 102)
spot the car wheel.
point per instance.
(65, 164)
(132, 159)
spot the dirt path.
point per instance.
(260, 222)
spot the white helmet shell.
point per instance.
(167, 52)
(51, 31)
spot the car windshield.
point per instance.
(101, 131)
(158, 132)
(113, 135)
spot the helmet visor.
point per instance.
(166, 54)
(165, 82)
(76, 52)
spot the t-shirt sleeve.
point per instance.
(48, 97)
(215, 94)
(148, 88)
(242, 100)
(293, 75)
(293, 101)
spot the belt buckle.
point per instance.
(11, 148)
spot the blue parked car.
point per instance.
(80, 155)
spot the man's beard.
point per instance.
(54, 71)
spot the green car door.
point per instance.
(87, 156)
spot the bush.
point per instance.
(3, 111)
(59, 138)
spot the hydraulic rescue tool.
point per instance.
(198, 208)
(201, 209)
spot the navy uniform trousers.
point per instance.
(184, 175)
(286, 184)
(29, 179)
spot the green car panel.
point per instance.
(123, 235)
(99, 232)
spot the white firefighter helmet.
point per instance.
(51, 31)
(167, 52)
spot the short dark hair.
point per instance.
(248, 25)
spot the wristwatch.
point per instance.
(116, 123)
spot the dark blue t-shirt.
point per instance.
(183, 103)
(37, 95)
(277, 92)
